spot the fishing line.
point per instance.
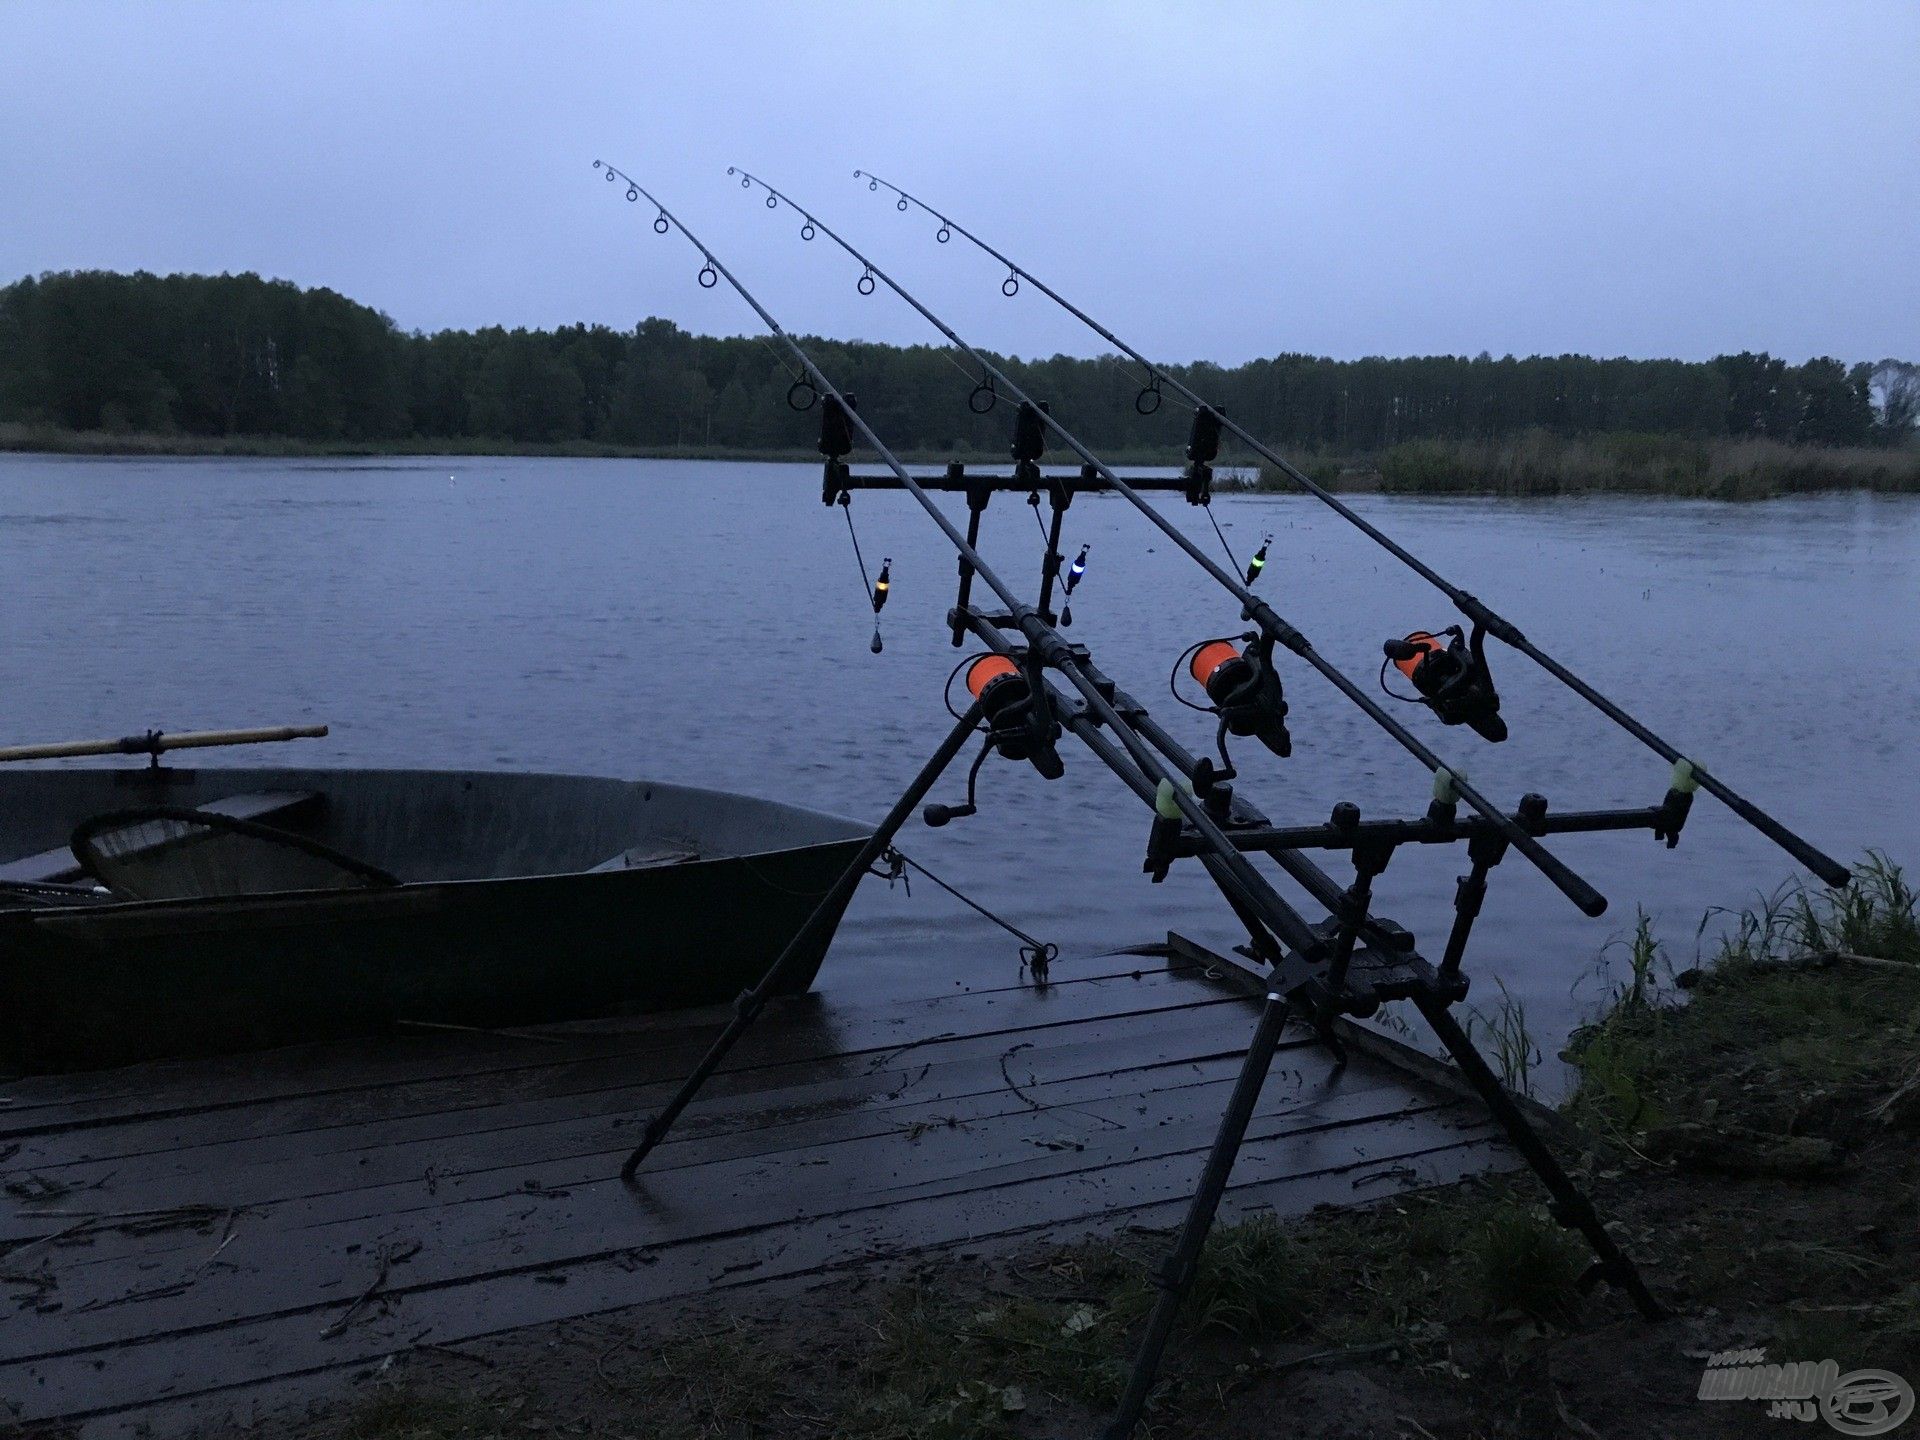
(1073, 573)
(1035, 955)
(1033, 499)
(1222, 534)
(875, 590)
(792, 374)
(975, 380)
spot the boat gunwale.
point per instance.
(413, 891)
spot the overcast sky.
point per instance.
(1214, 181)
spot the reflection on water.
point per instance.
(705, 623)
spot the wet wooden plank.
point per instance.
(409, 1056)
(809, 1034)
(275, 1262)
(429, 1152)
(258, 1404)
(966, 1119)
(1300, 1172)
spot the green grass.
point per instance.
(1503, 1034)
(1758, 1037)
(1396, 1278)
(397, 1413)
(1525, 1262)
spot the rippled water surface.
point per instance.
(704, 623)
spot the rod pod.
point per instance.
(1589, 900)
(1831, 871)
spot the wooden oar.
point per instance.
(154, 742)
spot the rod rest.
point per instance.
(1376, 975)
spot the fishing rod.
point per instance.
(1045, 646)
(1484, 618)
(1351, 963)
(1272, 628)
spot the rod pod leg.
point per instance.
(747, 1008)
(1175, 1278)
(1570, 1204)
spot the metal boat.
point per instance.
(159, 911)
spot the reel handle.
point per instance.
(938, 815)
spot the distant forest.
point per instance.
(236, 355)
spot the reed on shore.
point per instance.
(1538, 463)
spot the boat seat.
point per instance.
(59, 866)
(648, 856)
(165, 852)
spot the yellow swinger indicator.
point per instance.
(1259, 561)
(1074, 572)
(880, 589)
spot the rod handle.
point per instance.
(1590, 900)
(1819, 862)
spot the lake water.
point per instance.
(705, 624)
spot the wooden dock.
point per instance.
(193, 1241)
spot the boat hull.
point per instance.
(111, 984)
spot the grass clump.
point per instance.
(1504, 1035)
(1256, 1281)
(1526, 1262)
(941, 1371)
(1763, 1039)
(395, 1413)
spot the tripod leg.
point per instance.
(1570, 1204)
(751, 1002)
(1176, 1275)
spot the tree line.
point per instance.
(236, 355)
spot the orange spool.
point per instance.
(1210, 657)
(987, 669)
(1423, 641)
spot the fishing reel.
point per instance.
(1020, 726)
(1242, 688)
(1453, 680)
(1019, 723)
